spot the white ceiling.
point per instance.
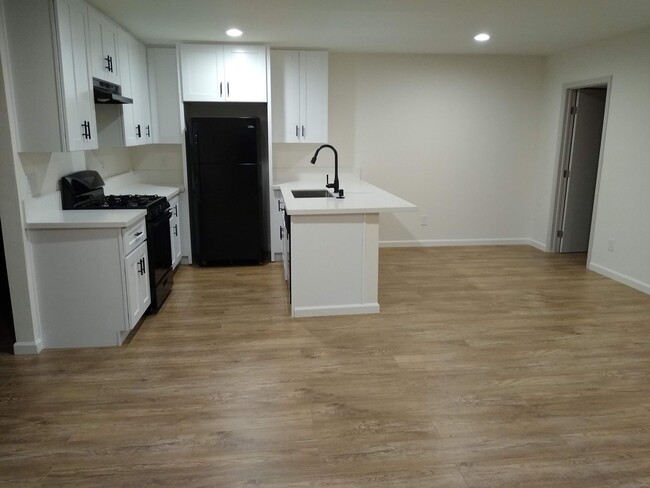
(390, 26)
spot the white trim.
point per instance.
(458, 242)
(558, 194)
(28, 348)
(361, 308)
(537, 244)
(621, 278)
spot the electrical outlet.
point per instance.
(424, 220)
(611, 244)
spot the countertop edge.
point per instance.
(369, 199)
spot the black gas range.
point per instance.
(84, 190)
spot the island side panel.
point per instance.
(328, 265)
(371, 259)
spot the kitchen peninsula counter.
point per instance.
(360, 197)
(334, 247)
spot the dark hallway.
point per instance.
(7, 334)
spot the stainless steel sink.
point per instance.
(311, 194)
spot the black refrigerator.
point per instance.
(226, 190)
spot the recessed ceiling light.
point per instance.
(234, 32)
(482, 37)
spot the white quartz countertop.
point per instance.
(360, 197)
(55, 218)
(45, 212)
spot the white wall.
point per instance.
(456, 135)
(16, 247)
(623, 202)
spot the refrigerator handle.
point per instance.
(221, 89)
(297, 133)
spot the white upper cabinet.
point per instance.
(299, 85)
(245, 73)
(51, 80)
(135, 85)
(128, 117)
(142, 106)
(104, 53)
(223, 73)
(164, 95)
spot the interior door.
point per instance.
(582, 169)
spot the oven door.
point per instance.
(159, 247)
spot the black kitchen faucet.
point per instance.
(335, 184)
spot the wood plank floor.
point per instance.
(487, 367)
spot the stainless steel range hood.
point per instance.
(106, 92)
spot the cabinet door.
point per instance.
(174, 232)
(245, 73)
(277, 234)
(285, 89)
(144, 285)
(137, 116)
(163, 91)
(313, 96)
(78, 99)
(143, 102)
(128, 113)
(202, 73)
(104, 52)
(133, 265)
(137, 283)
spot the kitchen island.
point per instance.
(333, 253)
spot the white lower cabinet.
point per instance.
(92, 284)
(175, 231)
(277, 223)
(137, 283)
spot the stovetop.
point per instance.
(155, 204)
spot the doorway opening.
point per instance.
(7, 332)
(583, 129)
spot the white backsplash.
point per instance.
(44, 170)
(109, 161)
(156, 163)
(160, 164)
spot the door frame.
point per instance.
(564, 152)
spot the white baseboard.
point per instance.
(538, 245)
(457, 242)
(621, 278)
(362, 308)
(27, 348)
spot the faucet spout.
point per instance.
(335, 184)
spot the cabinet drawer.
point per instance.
(133, 236)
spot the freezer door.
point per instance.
(222, 141)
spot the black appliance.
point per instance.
(84, 190)
(226, 194)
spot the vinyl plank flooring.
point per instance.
(487, 367)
